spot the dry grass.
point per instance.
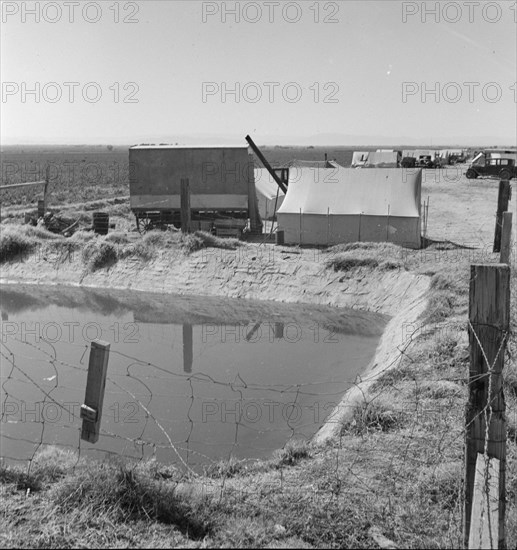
(382, 256)
(99, 254)
(14, 245)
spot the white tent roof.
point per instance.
(266, 185)
(419, 153)
(359, 158)
(382, 157)
(345, 191)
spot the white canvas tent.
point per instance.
(347, 205)
(383, 159)
(268, 194)
(359, 158)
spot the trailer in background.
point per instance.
(221, 182)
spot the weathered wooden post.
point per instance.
(506, 238)
(256, 224)
(484, 526)
(45, 189)
(185, 206)
(300, 237)
(502, 206)
(43, 204)
(485, 433)
(328, 225)
(91, 410)
(188, 348)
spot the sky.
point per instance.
(304, 72)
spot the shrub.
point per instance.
(294, 451)
(373, 416)
(99, 254)
(117, 237)
(14, 244)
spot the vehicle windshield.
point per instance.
(479, 159)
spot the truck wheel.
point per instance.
(505, 175)
(471, 174)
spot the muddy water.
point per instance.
(190, 380)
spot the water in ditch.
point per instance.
(191, 380)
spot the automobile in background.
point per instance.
(408, 162)
(494, 163)
(426, 161)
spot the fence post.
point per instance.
(485, 432)
(328, 224)
(45, 189)
(506, 238)
(91, 410)
(300, 227)
(485, 504)
(502, 206)
(185, 206)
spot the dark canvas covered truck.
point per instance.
(221, 182)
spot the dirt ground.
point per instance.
(461, 210)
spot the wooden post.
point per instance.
(253, 209)
(502, 206)
(484, 527)
(91, 410)
(506, 238)
(489, 315)
(41, 209)
(388, 225)
(185, 206)
(328, 225)
(45, 189)
(300, 226)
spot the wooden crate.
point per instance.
(229, 232)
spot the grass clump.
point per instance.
(124, 494)
(99, 254)
(40, 233)
(294, 451)
(349, 256)
(49, 465)
(373, 416)
(117, 237)
(225, 468)
(211, 241)
(14, 244)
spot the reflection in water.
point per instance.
(188, 348)
(279, 330)
(240, 380)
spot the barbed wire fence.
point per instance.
(135, 426)
(195, 420)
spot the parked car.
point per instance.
(408, 162)
(503, 168)
(426, 162)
